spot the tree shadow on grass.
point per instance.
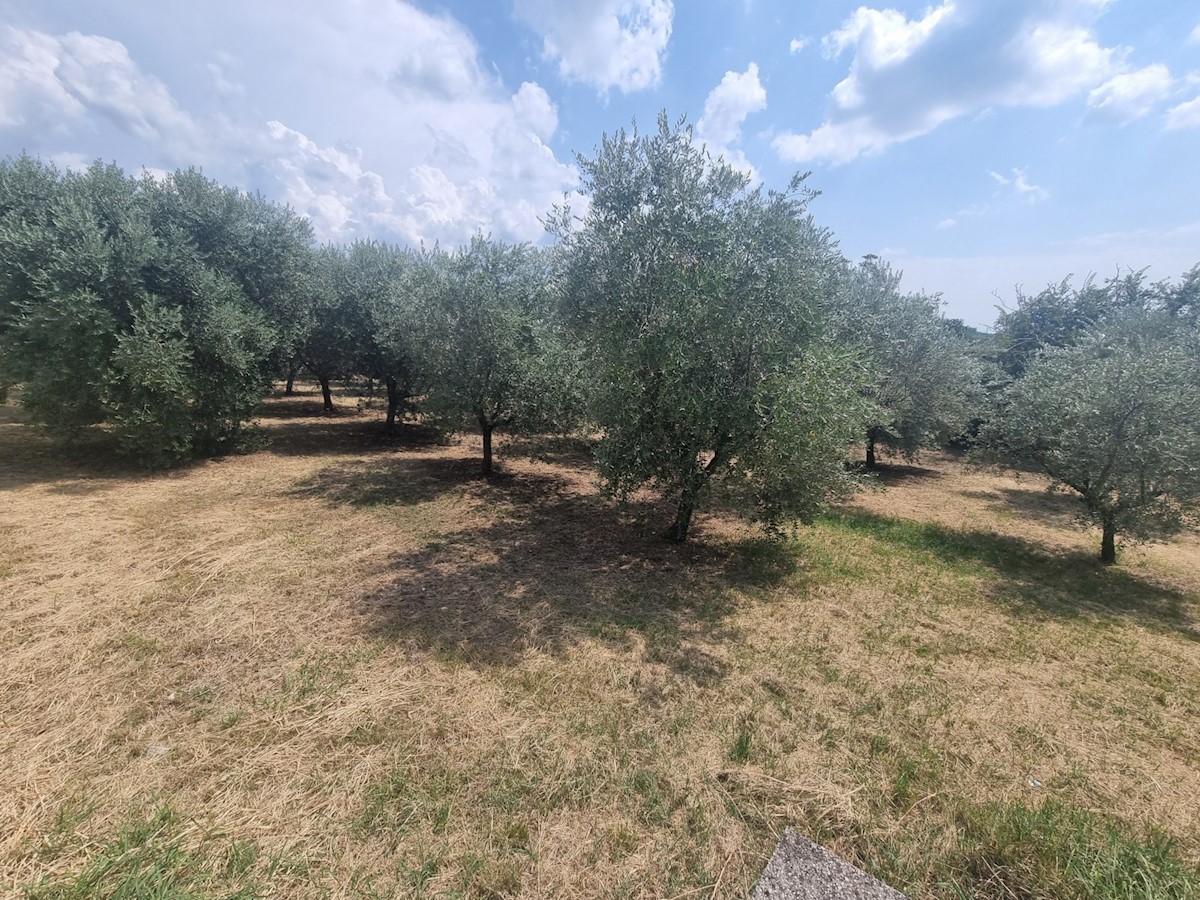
(1054, 508)
(409, 480)
(555, 563)
(889, 474)
(351, 435)
(1035, 578)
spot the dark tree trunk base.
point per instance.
(487, 450)
(679, 529)
(326, 395)
(393, 395)
(1108, 544)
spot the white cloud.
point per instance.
(454, 150)
(533, 108)
(1131, 95)
(798, 44)
(1185, 115)
(219, 70)
(49, 81)
(1020, 185)
(1194, 37)
(908, 76)
(605, 43)
(728, 104)
(948, 222)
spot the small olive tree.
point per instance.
(698, 300)
(923, 377)
(495, 357)
(1114, 417)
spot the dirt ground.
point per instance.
(385, 675)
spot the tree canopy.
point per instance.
(923, 376)
(699, 301)
(701, 330)
(496, 357)
(1114, 418)
(157, 306)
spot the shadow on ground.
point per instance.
(898, 473)
(1054, 508)
(555, 562)
(1035, 578)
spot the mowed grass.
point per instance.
(345, 666)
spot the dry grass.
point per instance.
(384, 675)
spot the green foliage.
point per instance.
(150, 388)
(155, 306)
(698, 301)
(1060, 314)
(925, 378)
(496, 357)
(383, 284)
(1113, 417)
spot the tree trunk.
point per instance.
(487, 447)
(678, 531)
(291, 379)
(870, 451)
(393, 394)
(325, 394)
(1108, 543)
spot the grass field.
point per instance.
(346, 666)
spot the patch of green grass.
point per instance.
(1056, 851)
(1028, 576)
(740, 752)
(151, 859)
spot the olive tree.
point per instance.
(155, 306)
(698, 300)
(1060, 314)
(383, 283)
(924, 378)
(1114, 417)
(496, 359)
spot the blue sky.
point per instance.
(977, 144)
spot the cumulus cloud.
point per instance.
(605, 43)
(1131, 95)
(1194, 37)
(455, 150)
(534, 109)
(51, 81)
(728, 104)
(908, 76)
(798, 44)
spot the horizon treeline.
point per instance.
(703, 329)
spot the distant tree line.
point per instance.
(702, 329)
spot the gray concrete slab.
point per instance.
(802, 870)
